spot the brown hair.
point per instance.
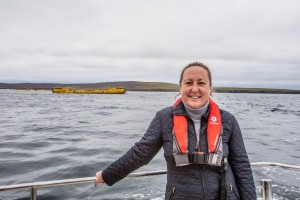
(196, 64)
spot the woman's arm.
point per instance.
(140, 154)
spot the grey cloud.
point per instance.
(245, 43)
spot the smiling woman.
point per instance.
(203, 146)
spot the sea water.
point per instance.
(46, 136)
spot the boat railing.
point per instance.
(266, 184)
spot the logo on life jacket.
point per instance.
(214, 119)
(214, 140)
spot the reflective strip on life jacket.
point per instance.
(214, 129)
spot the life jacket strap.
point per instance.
(224, 186)
(181, 159)
(198, 158)
(205, 158)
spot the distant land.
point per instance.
(140, 86)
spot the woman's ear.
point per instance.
(211, 92)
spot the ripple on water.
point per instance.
(25, 145)
(30, 165)
(65, 150)
(262, 143)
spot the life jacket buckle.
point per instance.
(197, 158)
(225, 164)
(214, 159)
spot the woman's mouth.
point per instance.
(195, 97)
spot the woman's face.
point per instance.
(195, 87)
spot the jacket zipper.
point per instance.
(237, 197)
(203, 185)
(197, 139)
(197, 148)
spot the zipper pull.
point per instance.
(173, 193)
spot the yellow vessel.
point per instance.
(67, 90)
(62, 90)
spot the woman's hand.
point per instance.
(99, 178)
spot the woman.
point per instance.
(203, 146)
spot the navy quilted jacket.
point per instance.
(191, 181)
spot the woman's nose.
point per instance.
(194, 88)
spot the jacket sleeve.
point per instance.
(240, 164)
(138, 155)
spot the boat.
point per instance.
(266, 186)
(68, 90)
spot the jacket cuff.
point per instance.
(106, 178)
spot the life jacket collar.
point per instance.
(180, 137)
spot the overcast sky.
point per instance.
(245, 43)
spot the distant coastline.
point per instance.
(140, 86)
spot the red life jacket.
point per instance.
(214, 140)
